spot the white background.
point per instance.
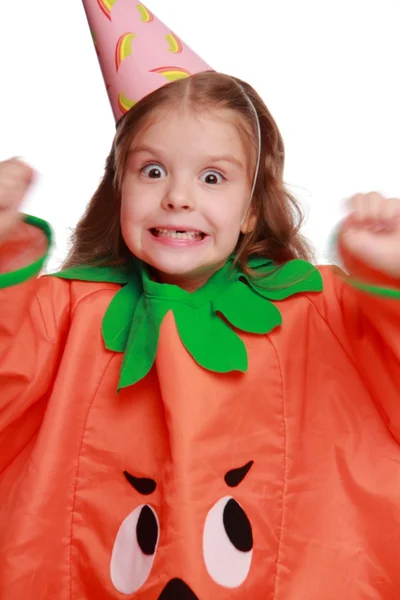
(328, 71)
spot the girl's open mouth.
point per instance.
(193, 236)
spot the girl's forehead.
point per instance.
(173, 123)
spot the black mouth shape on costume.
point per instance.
(176, 589)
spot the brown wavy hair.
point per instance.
(97, 239)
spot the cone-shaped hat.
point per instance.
(137, 52)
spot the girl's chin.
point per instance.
(178, 270)
(187, 276)
(173, 261)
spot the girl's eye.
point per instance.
(212, 177)
(154, 171)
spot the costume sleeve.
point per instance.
(33, 315)
(362, 307)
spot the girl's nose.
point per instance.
(178, 199)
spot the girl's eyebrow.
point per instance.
(144, 148)
(226, 158)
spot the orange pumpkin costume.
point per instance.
(252, 450)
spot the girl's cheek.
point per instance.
(129, 205)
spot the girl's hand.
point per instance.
(371, 232)
(15, 179)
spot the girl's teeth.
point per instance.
(179, 235)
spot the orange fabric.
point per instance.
(317, 412)
(25, 245)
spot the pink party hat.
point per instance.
(137, 52)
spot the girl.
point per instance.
(190, 409)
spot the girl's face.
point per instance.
(185, 194)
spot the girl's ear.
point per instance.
(248, 224)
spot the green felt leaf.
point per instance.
(117, 320)
(246, 310)
(210, 341)
(294, 277)
(142, 343)
(257, 262)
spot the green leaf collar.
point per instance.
(205, 319)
